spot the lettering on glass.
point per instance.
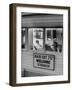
(45, 61)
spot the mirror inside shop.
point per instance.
(48, 39)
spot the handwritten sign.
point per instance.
(45, 61)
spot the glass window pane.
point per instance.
(48, 39)
(54, 33)
(37, 38)
(54, 39)
(48, 34)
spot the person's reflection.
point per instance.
(37, 45)
(49, 44)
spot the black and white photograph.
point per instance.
(41, 44)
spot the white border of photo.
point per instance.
(63, 77)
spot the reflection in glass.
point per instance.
(37, 39)
(53, 39)
(49, 39)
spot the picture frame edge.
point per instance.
(12, 45)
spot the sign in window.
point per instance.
(44, 61)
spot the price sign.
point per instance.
(45, 61)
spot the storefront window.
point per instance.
(48, 39)
(37, 39)
(53, 39)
